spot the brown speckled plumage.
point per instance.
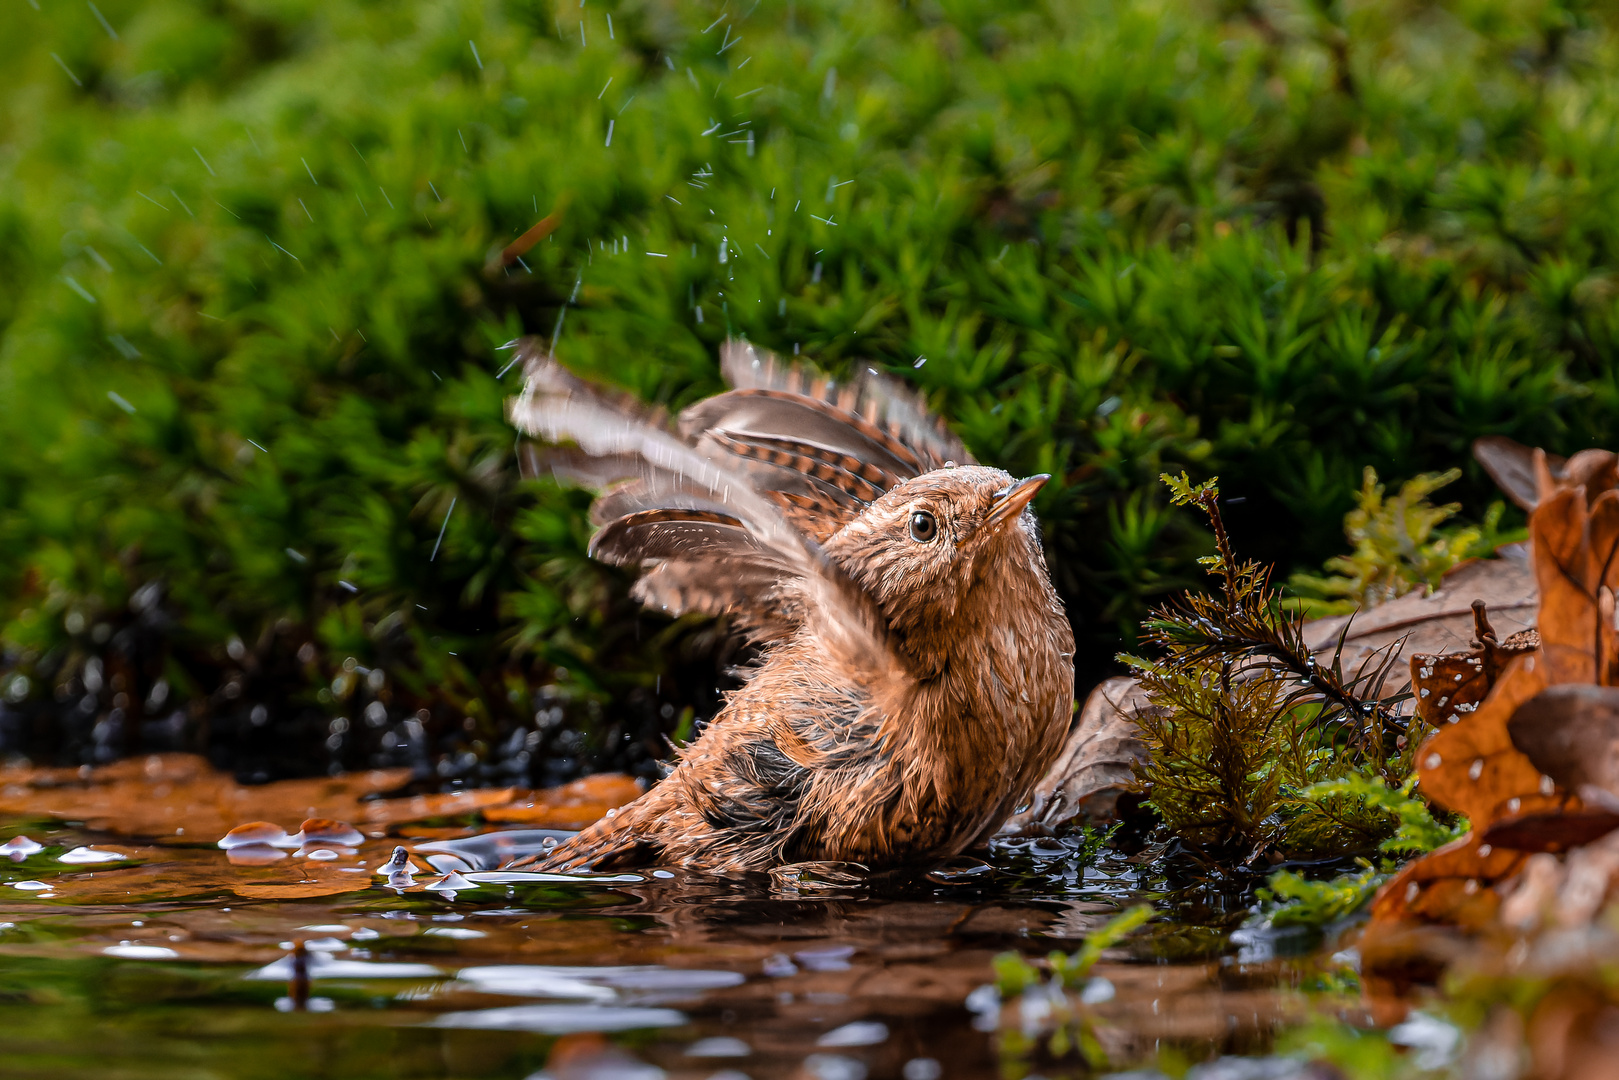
(916, 676)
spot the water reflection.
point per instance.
(306, 966)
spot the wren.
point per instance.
(915, 674)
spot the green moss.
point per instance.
(1280, 245)
(1399, 546)
(1256, 747)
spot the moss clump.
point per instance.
(1398, 546)
(250, 324)
(1247, 731)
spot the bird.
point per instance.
(915, 671)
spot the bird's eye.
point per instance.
(923, 527)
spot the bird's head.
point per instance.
(922, 548)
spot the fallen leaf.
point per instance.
(1451, 885)
(1471, 766)
(1551, 830)
(1440, 622)
(1514, 468)
(1486, 712)
(1571, 734)
(1576, 570)
(1095, 766)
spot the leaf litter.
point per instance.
(201, 834)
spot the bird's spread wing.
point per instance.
(822, 450)
(716, 529)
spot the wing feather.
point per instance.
(882, 402)
(687, 510)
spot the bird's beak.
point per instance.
(1010, 502)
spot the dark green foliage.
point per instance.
(248, 333)
(1245, 725)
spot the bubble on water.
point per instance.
(561, 1019)
(84, 856)
(922, 1069)
(257, 833)
(446, 863)
(325, 830)
(30, 886)
(19, 848)
(828, 958)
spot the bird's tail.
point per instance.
(626, 837)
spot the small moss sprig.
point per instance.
(1246, 624)
(1244, 723)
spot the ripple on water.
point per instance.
(858, 1033)
(561, 1019)
(323, 966)
(719, 1046)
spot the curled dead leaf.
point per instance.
(1571, 734)
(1451, 885)
(1472, 767)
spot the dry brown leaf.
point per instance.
(1442, 621)
(1095, 766)
(1449, 885)
(1473, 765)
(1571, 733)
(1527, 475)
(1470, 766)
(1557, 829)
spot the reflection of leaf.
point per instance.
(181, 794)
(299, 889)
(422, 807)
(572, 806)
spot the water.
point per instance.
(175, 961)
